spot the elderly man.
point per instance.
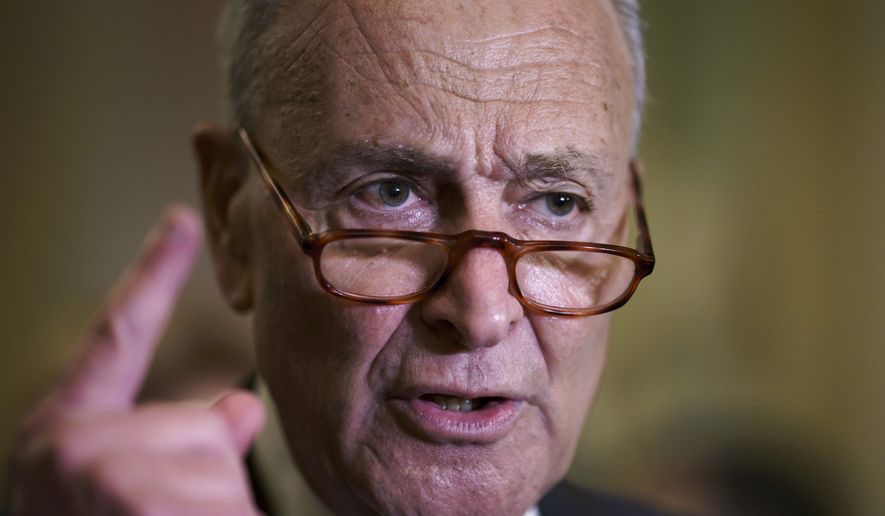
(424, 206)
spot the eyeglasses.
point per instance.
(391, 267)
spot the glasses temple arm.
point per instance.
(643, 243)
(302, 228)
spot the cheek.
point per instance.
(316, 343)
(314, 350)
(574, 351)
(297, 324)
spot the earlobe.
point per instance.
(222, 175)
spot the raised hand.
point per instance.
(88, 449)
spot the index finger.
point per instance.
(113, 356)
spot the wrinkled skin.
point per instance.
(476, 92)
(482, 86)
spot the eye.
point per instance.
(560, 203)
(393, 193)
(389, 195)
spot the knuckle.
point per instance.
(211, 426)
(105, 473)
(51, 453)
(162, 450)
(215, 435)
(120, 477)
(113, 327)
(68, 443)
(194, 425)
(35, 424)
(216, 425)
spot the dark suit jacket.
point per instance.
(568, 499)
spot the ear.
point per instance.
(223, 176)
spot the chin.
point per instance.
(401, 474)
(477, 488)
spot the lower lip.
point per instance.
(429, 421)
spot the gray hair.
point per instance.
(631, 24)
(243, 22)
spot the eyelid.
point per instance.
(363, 192)
(379, 177)
(549, 183)
(582, 203)
(545, 186)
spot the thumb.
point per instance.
(244, 414)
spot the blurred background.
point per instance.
(744, 378)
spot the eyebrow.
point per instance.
(389, 157)
(564, 163)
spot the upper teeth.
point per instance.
(452, 403)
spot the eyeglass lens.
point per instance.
(386, 267)
(573, 279)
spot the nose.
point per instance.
(475, 301)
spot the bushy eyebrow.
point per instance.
(566, 163)
(350, 157)
(345, 161)
(390, 157)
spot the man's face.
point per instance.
(426, 116)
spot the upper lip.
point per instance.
(473, 392)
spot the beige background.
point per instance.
(761, 329)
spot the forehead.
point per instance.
(450, 76)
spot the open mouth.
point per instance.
(456, 404)
(445, 418)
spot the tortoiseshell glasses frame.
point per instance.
(456, 246)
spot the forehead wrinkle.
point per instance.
(537, 64)
(522, 49)
(525, 48)
(388, 156)
(517, 84)
(530, 77)
(404, 70)
(480, 70)
(291, 58)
